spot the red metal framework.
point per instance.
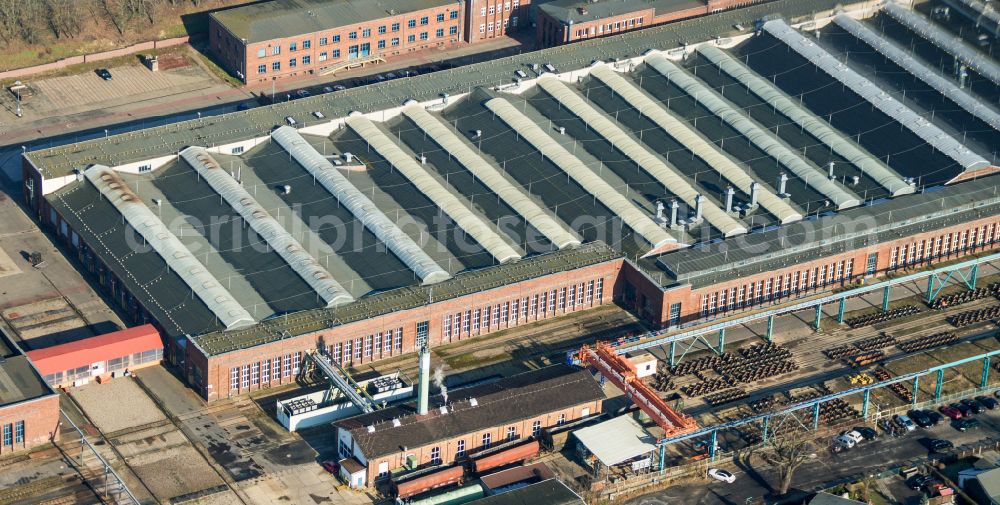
(618, 370)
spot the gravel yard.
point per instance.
(117, 405)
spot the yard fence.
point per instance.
(88, 58)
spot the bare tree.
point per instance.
(786, 452)
(64, 17)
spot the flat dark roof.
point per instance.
(581, 11)
(522, 396)
(19, 381)
(547, 492)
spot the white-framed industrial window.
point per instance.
(704, 305)
(368, 346)
(287, 368)
(487, 439)
(296, 362)
(840, 271)
(435, 455)
(849, 269)
(446, 326)
(245, 377)
(579, 293)
(515, 306)
(713, 303)
(534, 304)
(503, 312)
(722, 300)
(486, 318)
(742, 295)
(265, 370)
(456, 325)
(524, 308)
(387, 343)
(459, 449)
(234, 378)
(475, 319)
(767, 289)
(378, 342)
(562, 299)
(358, 349)
(466, 316)
(255, 374)
(590, 292)
(600, 289)
(496, 315)
(571, 297)
(536, 428)
(511, 433)
(336, 352)
(276, 369)
(399, 339)
(347, 351)
(561, 420)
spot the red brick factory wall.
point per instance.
(41, 422)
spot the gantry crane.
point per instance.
(618, 370)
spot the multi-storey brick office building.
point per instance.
(564, 21)
(29, 409)
(281, 38)
(585, 228)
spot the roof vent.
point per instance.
(371, 428)
(286, 189)
(396, 423)
(473, 402)
(443, 409)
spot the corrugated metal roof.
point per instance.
(580, 11)
(617, 440)
(88, 351)
(276, 19)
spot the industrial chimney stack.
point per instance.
(423, 386)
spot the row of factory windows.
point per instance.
(779, 286)
(507, 23)
(511, 313)
(120, 363)
(617, 26)
(943, 245)
(273, 370)
(493, 9)
(355, 51)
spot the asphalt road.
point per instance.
(870, 457)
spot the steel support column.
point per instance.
(885, 298)
(840, 310)
(938, 385)
(711, 446)
(770, 327)
(673, 353)
(916, 385)
(819, 316)
(663, 457)
(816, 416)
(722, 340)
(767, 422)
(864, 404)
(986, 373)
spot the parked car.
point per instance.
(844, 441)
(291, 121)
(921, 418)
(939, 445)
(866, 432)
(976, 407)
(966, 424)
(904, 421)
(722, 475)
(965, 409)
(339, 87)
(853, 435)
(887, 426)
(330, 466)
(953, 413)
(318, 115)
(935, 417)
(987, 402)
(103, 73)
(302, 93)
(243, 106)
(917, 481)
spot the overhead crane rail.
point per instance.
(619, 371)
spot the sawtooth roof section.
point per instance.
(167, 140)
(435, 191)
(767, 92)
(217, 298)
(870, 91)
(360, 206)
(653, 165)
(763, 139)
(978, 12)
(949, 42)
(512, 195)
(693, 141)
(261, 221)
(928, 75)
(585, 177)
